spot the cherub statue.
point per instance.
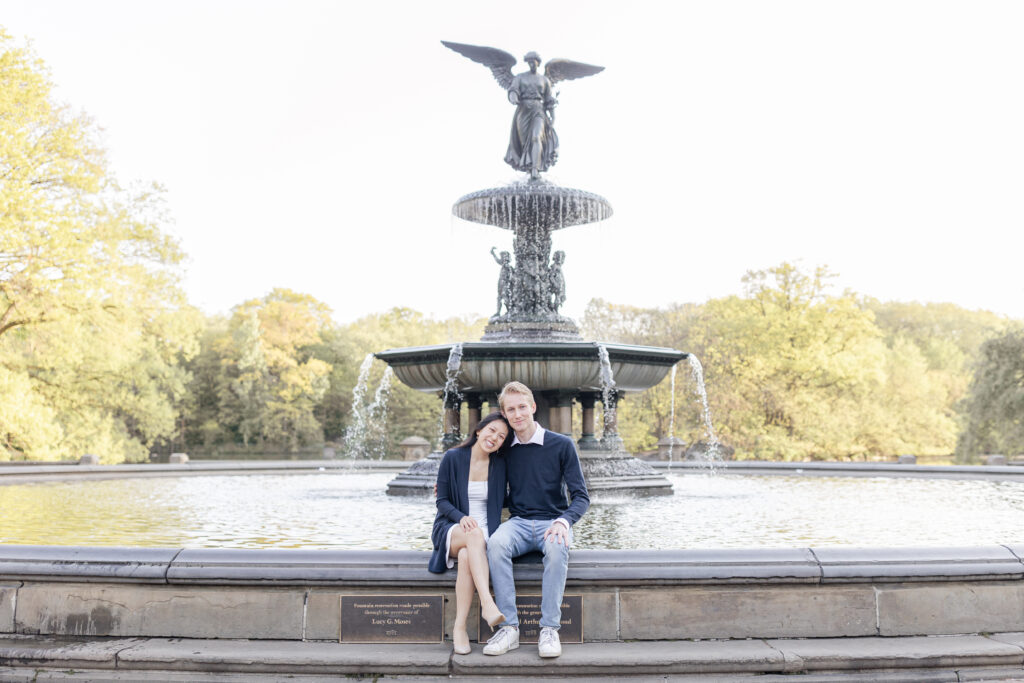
(533, 144)
(504, 280)
(556, 281)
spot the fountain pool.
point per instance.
(350, 510)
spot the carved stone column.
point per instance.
(561, 412)
(473, 404)
(588, 441)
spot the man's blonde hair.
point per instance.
(514, 388)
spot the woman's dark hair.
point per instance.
(493, 417)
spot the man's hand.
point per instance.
(559, 532)
(467, 524)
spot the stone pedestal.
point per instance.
(414, 448)
(671, 448)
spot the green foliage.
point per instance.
(93, 328)
(257, 380)
(794, 371)
(994, 407)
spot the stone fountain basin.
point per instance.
(535, 203)
(566, 366)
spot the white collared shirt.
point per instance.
(538, 438)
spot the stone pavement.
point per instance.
(933, 658)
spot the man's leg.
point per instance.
(510, 540)
(556, 566)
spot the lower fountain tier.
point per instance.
(542, 366)
(604, 472)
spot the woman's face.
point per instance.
(492, 436)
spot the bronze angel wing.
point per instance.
(498, 61)
(566, 70)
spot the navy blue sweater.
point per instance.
(535, 476)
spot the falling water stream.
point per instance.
(672, 415)
(357, 432)
(378, 414)
(607, 391)
(452, 395)
(712, 455)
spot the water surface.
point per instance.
(351, 511)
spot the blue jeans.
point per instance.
(516, 537)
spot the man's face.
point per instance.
(518, 409)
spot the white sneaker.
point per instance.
(507, 638)
(548, 643)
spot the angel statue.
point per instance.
(533, 144)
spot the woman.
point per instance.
(470, 494)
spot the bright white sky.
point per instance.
(319, 146)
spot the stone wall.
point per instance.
(627, 595)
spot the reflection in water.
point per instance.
(350, 510)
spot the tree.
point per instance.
(92, 324)
(789, 365)
(274, 382)
(994, 407)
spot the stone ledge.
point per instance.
(924, 564)
(83, 563)
(213, 566)
(927, 657)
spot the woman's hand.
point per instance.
(467, 524)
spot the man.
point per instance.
(541, 519)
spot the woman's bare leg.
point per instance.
(463, 596)
(476, 548)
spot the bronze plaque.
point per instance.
(529, 620)
(392, 619)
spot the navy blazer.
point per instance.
(453, 499)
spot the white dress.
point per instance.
(477, 510)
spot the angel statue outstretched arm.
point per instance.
(533, 143)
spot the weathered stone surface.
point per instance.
(8, 592)
(1010, 673)
(286, 657)
(918, 564)
(626, 659)
(879, 653)
(66, 653)
(732, 565)
(946, 608)
(136, 610)
(600, 614)
(75, 563)
(1012, 638)
(323, 615)
(747, 612)
(291, 567)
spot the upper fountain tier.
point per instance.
(532, 204)
(531, 292)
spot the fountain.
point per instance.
(527, 339)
